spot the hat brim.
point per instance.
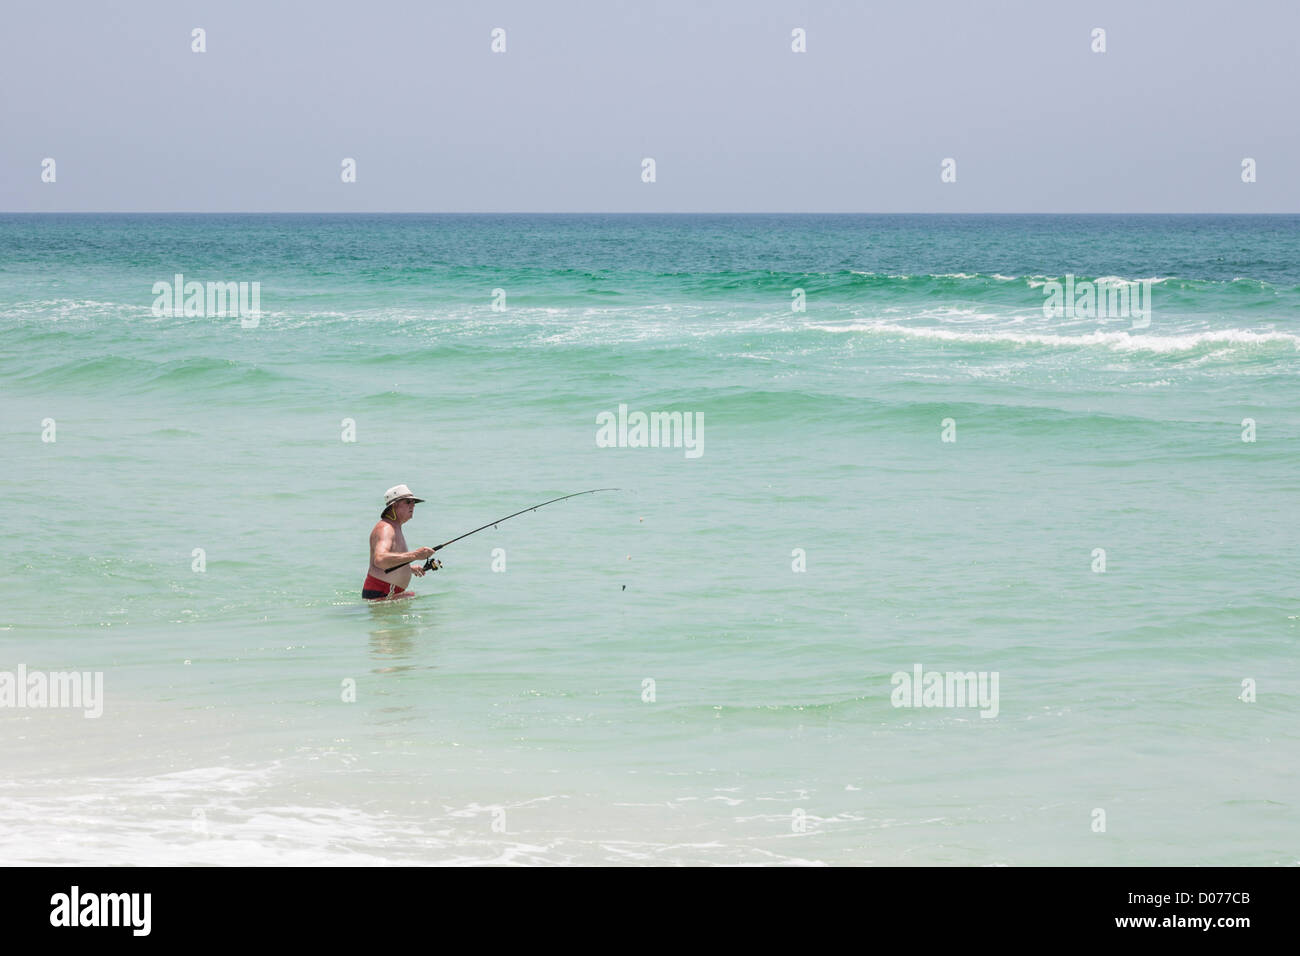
(398, 501)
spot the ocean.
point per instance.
(902, 467)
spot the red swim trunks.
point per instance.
(374, 589)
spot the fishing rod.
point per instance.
(492, 524)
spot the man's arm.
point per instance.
(381, 554)
(381, 543)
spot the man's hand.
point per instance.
(419, 571)
(422, 553)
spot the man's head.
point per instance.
(399, 504)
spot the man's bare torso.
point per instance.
(397, 543)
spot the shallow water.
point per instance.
(503, 716)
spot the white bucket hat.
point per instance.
(397, 493)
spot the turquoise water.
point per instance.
(516, 697)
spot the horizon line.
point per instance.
(588, 212)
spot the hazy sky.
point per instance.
(734, 120)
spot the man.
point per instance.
(388, 549)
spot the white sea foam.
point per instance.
(1117, 341)
(1037, 282)
(1120, 280)
(225, 816)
